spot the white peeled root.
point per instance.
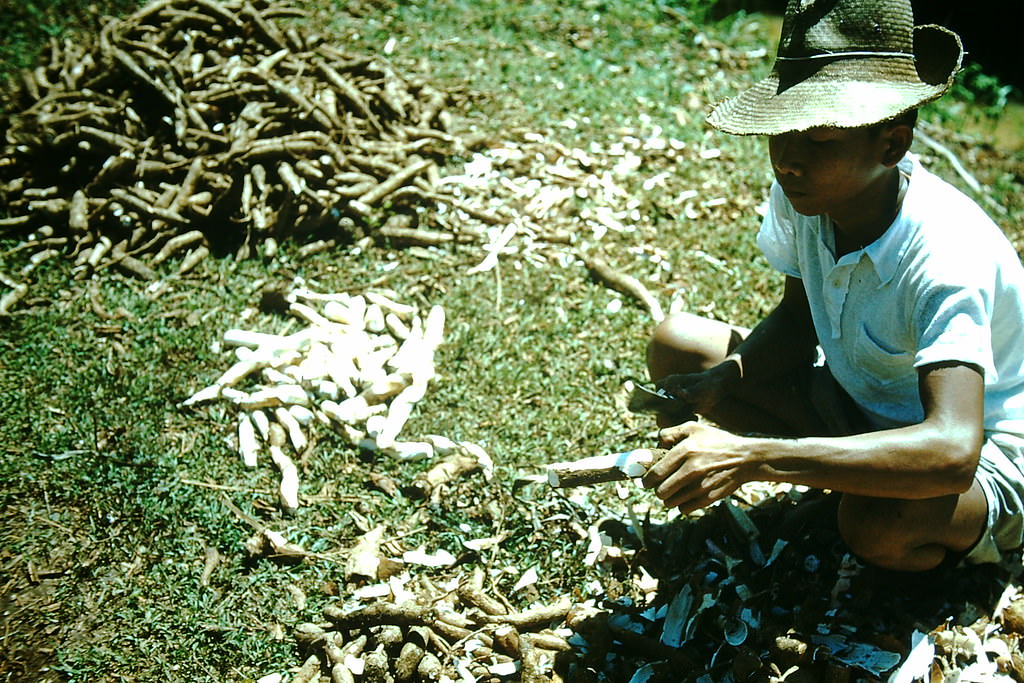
(398, 414)
(433, 329)
(289, 486)
(248, 338)
(205, 394)
(603, 468)
(352, 411)
(357, 364)
(397, 327)
(239, 371)
(403, 311)
(11, 298)
(302, 414)
(231, 377)
(409, 450)
(350, 312)
(262, 423)
(248, 441)
(364, 559)
(310, 315)
(374, 320)
(295, 434)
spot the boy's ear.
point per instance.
(897, 138)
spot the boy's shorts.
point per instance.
(1001, 477)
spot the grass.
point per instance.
(96, 453)
(598, 63)
(110, 496)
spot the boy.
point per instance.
(912, 295)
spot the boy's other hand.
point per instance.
(701, 392)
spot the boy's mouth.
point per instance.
(801, 199)
(793, 193)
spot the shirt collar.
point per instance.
(888, 250)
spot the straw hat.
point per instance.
(844, 64)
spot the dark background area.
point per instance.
(990, 32)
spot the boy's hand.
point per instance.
(704, 465)
(701, 391)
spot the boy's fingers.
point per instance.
(662, 470)
(694, 491)
(697, 497)
(673, 435)
(689, 499)
(672, 483)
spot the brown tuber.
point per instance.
(1013, 617)
(309, 672)
(429, 668)
(239, 153)
(408, 659)
(447, 468)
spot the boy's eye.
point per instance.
(824, 135)
(821, 138)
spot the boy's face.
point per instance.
(833, 171)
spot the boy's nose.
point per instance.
(784, 168)
(784, 162)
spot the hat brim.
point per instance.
(843, 93)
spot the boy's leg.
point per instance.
(988, 519)
(912, 535)
(909, 535)
(686, 343)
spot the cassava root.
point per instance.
(249, 143)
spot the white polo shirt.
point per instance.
(941, 284)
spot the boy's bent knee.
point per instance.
(882, 532)
(684, 343)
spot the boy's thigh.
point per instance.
(807, 401)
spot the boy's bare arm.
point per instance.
(783, 341)
(936, 457)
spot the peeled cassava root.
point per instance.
(602, 468)
(359, 366)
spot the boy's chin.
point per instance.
(804, 206)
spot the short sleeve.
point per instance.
(954, 324)
(777, 237)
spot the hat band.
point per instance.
(844, 55)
